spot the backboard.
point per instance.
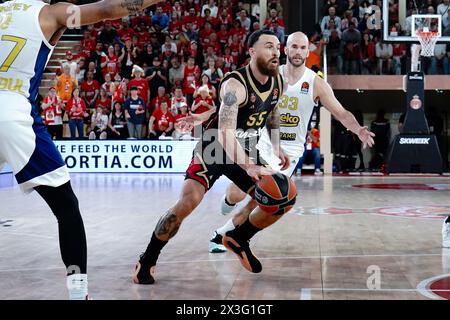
(398, 25)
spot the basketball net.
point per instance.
(427, 41)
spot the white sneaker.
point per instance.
(226, 208)
(446, 235)
(215, 244)
(318, 172)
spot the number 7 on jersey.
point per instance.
(20, 43)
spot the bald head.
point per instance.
(297, 49)
(297, 37)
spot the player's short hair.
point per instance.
(254, 37)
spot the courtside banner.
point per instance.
(143, 156)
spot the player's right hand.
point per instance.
(256, 171)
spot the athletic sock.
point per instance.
(154, 248)
(226, 227)
(77, 284)
(246, 230)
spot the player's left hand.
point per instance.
(366, 137)
(285, 162)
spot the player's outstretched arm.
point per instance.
(325, 94)
(68, 15)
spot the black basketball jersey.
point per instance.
(253, 112)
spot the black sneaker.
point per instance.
(242, 249)
(215, 244)
(144, 273)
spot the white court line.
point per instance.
(227, 260)
(305, 294)
(27, 234)
(423, 287)
(373, 290)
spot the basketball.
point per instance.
(276, 193)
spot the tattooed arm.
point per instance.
(54, 19)
(232, 94)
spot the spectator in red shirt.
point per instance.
(211, 19)
(125, 31)
(203, 102)
(182, 130)
(120, 91)
(177, 10)
(108, 86)
(236, 45)
(87, 44)
(204, 33)
(178, 99)
(141, 83)
(76, 110)
(238, 30)
(175, 26)
(191, 76)
(110, 62)
(161, 122)
(368, 57)
(90, 89)
(103, 102)
(225, 18)
(160, 98)
(190, 4)
(192, 17)
(52, 107)
(274, 18)
(223, 35)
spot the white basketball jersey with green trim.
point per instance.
(24, 50)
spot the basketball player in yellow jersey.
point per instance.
(29, 31)
(304, 90)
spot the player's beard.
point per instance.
(267, 68)
(291, 60)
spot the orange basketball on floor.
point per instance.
(276, 193)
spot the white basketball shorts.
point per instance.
(27, 146)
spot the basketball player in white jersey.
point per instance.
(296, 105)
(29, 31)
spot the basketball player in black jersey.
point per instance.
(228, 147)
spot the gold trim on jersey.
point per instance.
(280, 84)
(263, 95)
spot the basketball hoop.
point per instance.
(427, 41)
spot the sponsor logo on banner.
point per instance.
(415, 77)
(414, 140)
(127, 156)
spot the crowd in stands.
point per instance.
(134, 77)
(353, 40)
